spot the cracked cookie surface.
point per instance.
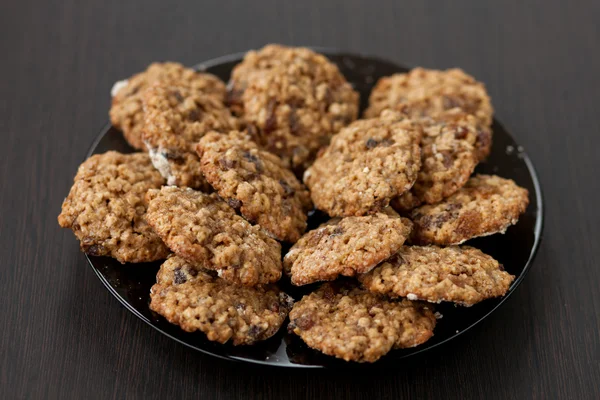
(197, 300)
(106, 208)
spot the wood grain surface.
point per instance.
(64, 336)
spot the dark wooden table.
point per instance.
(64, 336)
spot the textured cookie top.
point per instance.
(427, 92)
(462, 275)
(448, 158)
(126, 112)
(355, 325)
(256, 182)
(204, 230)
(295, 103)
(346, 246)
(197, 300)
(366, 165)
(175, 119)
(106, 208)
(487, 204)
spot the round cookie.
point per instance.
(352, 324)
(429, 93)
(204, 230)
(294, 106)
(462, 275)
(448, 158)
(197, 300)
(487, 204)
(366, 165)
(175, 119)
(346, 246)
(127, 113)
(256, 182)
(106, 207)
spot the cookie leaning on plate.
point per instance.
(366, 165)
(463, 275)
(205, 231)
(256, 182)
(106, 207)
(343, 321)
(195, 299)
(127, 112)
(486, 205)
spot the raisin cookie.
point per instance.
(175, 119)
(256, 182)
(197, 300)
(462, 275)
(366, 165)
(294, 105)
(448, 158)
(355, 325)
(487, 204)
(428, 93)
(127, 113)
(106, 207)
(345, 246)
(204, 230)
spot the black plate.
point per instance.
(130, 284)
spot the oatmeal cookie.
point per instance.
(106, 208)
(204, 230)
(462, 275)
(349, 323)
(197, 300)
(294, 102)
(428, 93)
(256, 182)
(448, 158)
(366, 165)
(345, 246)
(175, 119)
(126, 112)
(487, 204)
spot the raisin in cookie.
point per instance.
(256, 182)
(462, 275)
(197, 300)
(366, 165)
(487, 204)
(175, 119)
(293, 107)
(349, 323)
(448, 158)
(127, 113)
(204, 230)
(428, 93)
(345, 246)
(106, 208)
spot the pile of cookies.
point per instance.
(226, 174)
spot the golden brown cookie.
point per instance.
(197, 300)
(487, 204)
(366, 165)
(462, 275)
(175, 119)
(345, 246)
(106, 208)
(293, 101)
(256, 182)
(355, 325)
(429, 93)
(448, 158)
(127, 113)
(205, 231)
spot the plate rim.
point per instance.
(328, 51)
